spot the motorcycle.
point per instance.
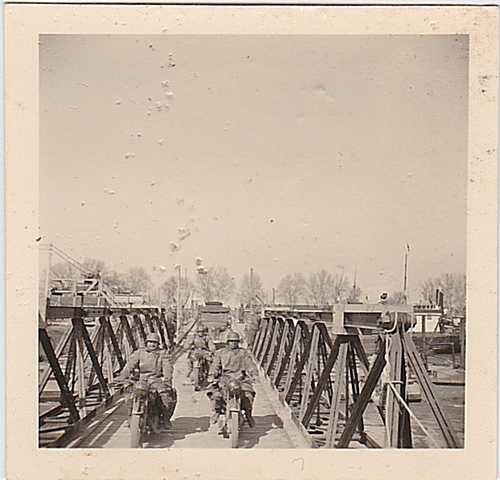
(146, 414)
(231, 414)
(201, 367)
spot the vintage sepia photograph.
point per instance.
(252, 241)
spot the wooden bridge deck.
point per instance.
(191, 424)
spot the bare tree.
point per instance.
(116, 281)
(94, 266)
(169, 290)
(453, 286)
(247, 290)
(64, 270)
(138, 280)
(320, 287)
(396, 298)
(292, 288)
(216, 284)
(340, 288)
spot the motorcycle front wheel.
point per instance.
(235, 428)
(196, 376)
(135, 431)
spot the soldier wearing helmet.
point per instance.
(232, 362)
(199, 344)
(152, 364)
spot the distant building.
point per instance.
(430, 314)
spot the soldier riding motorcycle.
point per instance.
(153, 399)
(200, 352)
(234, 373)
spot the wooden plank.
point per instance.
(393, 410)
(429, 392)
(299, 367)
(140, 328)
(264, 327)
(354, 381)
(267, 342)
(82, 330)
(62, 312)
(273, 349)
(292, 359)
(110, 336)
(149, 322)
(66, 396)
(325, 376)
(59, 349)
(80, 425)
(311, 360)
(128, 332)
(338, 386)
(281, 351)
(364, 397)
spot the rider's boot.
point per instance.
(129, 411)
(214, 411)
(247, 406)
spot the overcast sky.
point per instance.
(285, 153)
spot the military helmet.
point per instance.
(232, 336)
(153, 337)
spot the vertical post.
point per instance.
(424, 341)
(405, 282)
(462, 342)
(337, 391)
(80, 365)
(74, 293)
(393, 409)
(309, 372)
(453, 359)
(47, 283)
(274, 296)
(406, 272)
(99, 288)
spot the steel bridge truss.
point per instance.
(89, 355)
(323, 374)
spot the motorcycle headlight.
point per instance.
(141, 389)
(233, 386)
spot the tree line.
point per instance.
(216, 283)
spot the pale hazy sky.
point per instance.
(285, 153)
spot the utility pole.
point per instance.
(405, 281)
(274, 296)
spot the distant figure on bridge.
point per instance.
(384, 298)
(232, 362)
(171, 328)
(251, 329)
(153, 365)
(199, 344)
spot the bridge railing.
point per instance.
(93, 347)
(322, 373)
